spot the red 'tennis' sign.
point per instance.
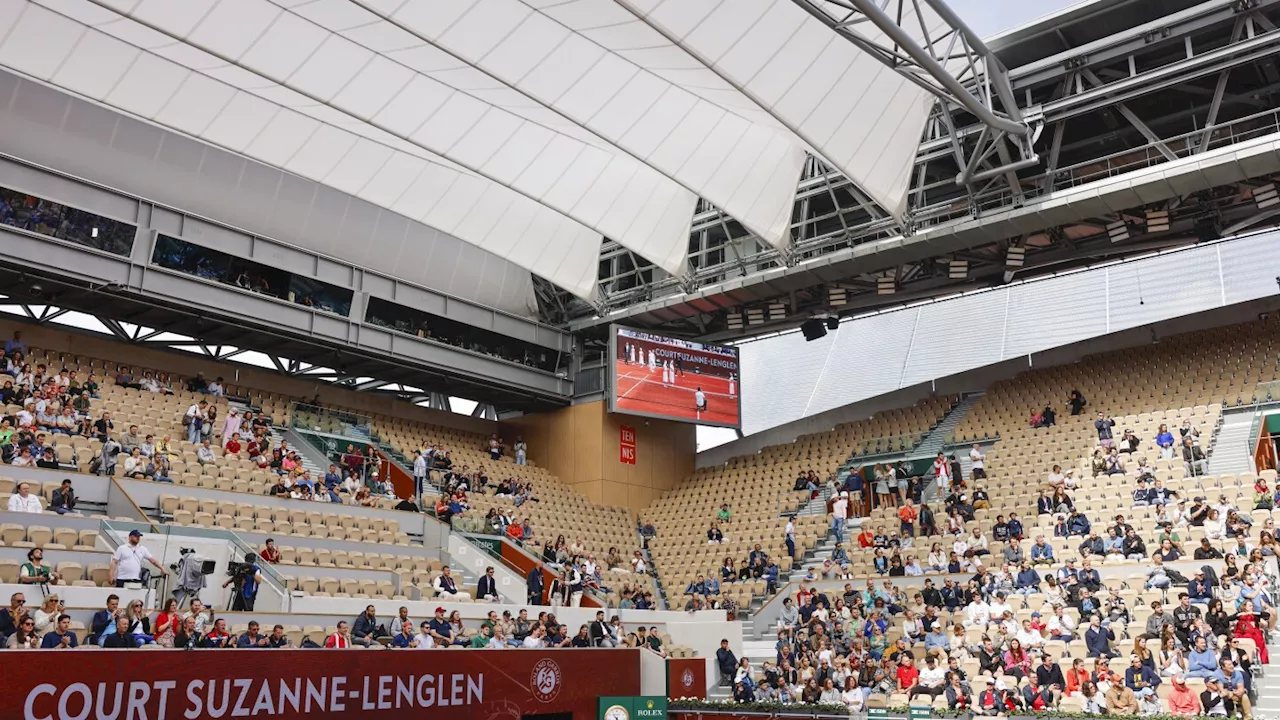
(627, 445)
(315, 684)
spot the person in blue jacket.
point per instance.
(1078, 524)
(1140, 678)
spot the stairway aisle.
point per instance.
(940, 435)
(1232, 453)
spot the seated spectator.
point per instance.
(424, 640)
(714, 535)
(60, 638)
(99, 625)
(340, 640)
(204, 454)
(442, 631)
(35, 572)
(365, 631)
(1193, 458)
(121, 639)
(23, 459)
(1041, 552)
(25, 501)
(1078, 524)
(136, 466)
(270, 553)
(445, 586)
(252, 638)
(1098, 639)
(25, 636)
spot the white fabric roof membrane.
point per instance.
(526, 127)
(860, 116)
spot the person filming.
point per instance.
(246, 578)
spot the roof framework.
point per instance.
(1107, 90)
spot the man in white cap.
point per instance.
(839, 514)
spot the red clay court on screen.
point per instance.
(643, 391)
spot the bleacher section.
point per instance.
(555, 511)
(759, 490)
(1183, 382)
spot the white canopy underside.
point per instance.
(529, 128)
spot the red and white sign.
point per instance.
(315, 684)
(627, 445)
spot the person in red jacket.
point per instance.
(1181, 700)
(1077, 676)
(515, 531)
(340, 640)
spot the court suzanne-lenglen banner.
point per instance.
(316, 684)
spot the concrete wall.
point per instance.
(580, 444)
(147, 494)
(90, 599)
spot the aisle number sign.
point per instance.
(627, 445)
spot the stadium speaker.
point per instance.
(833, 323)
(1118, 231)
(813, 329)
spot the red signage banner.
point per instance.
(316, 684)
(627, 445)
(687, 678)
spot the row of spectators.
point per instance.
(117, 627)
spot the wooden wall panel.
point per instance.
(580, 445)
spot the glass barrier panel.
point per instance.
(46, 217)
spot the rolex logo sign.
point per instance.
(651, 708)
(633, 708)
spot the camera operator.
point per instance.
(246, 577)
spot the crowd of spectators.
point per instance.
(133, 626)
(1011, 627)
(973, 642)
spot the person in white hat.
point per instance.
(839, 514)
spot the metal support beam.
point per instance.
(1055, 149)
(980, 86)
(923, 65)
(1219, 89)
(1134, 120)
